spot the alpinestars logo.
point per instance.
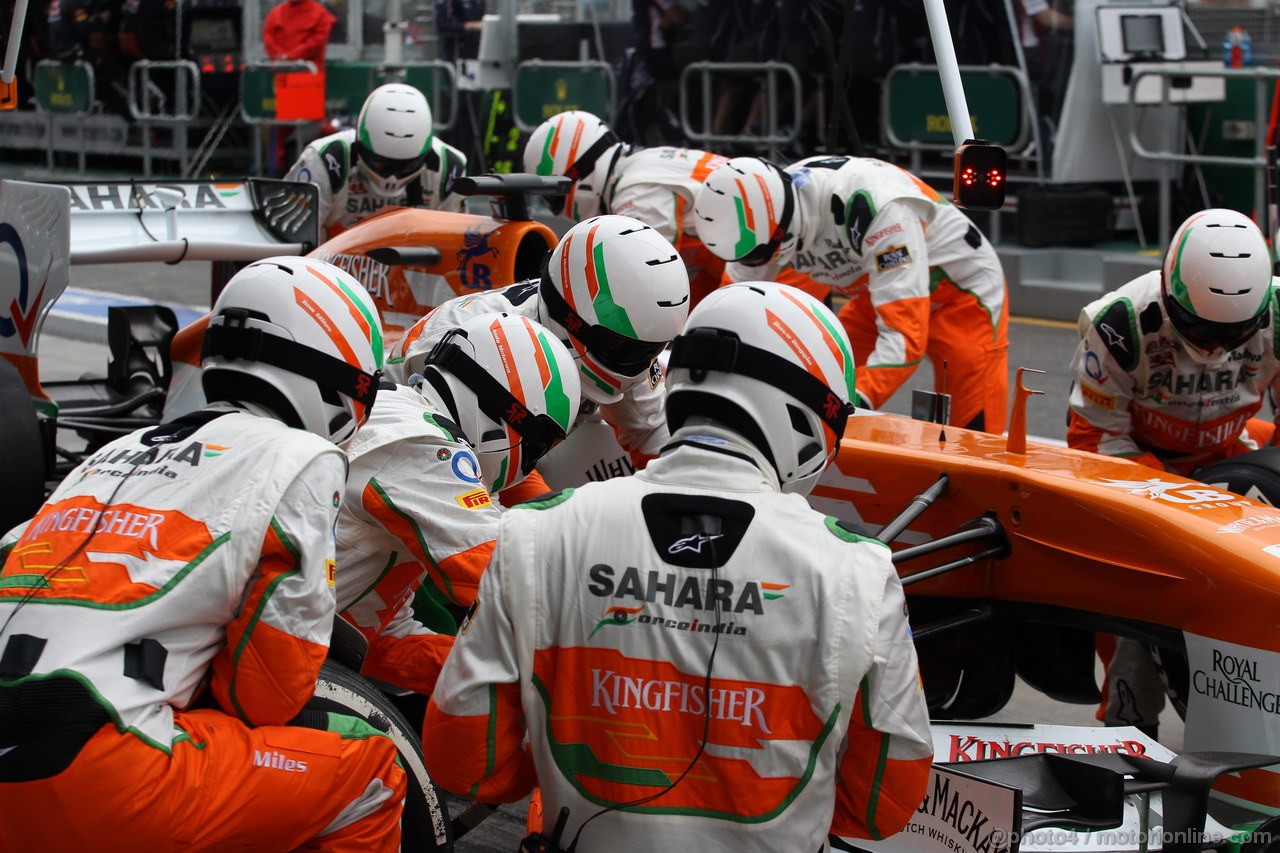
(1113, 337)
(693, 543)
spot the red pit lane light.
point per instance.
(980, 172)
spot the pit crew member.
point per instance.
(654, 185)
(194, 561)
(392, 158)
(1170, 370)
(615, 292)
(1172, 367)
(640, 632)
(495, 394)
(920, 277)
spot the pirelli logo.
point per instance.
(1096, 397)
(331, 572)
(474, 499)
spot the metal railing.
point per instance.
(145, 93)
(1264, 79)
(774, 135)
(149, 103)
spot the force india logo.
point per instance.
(1190, 495)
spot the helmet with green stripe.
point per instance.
(300, 337)
(571, 144)
(620, 292)
(744, 212)
(393, 138)
(774, 365)
(1216, 281)
(512, 388)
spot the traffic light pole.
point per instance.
(979, 171)
(949, 70)
(14, 42)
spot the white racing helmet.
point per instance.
(621, 293)
(773, 364)
(570, 144)
(1216, 280)
(393, 138)
(298, 336)
(744, 212)
(512, 387)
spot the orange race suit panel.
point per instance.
(1140, 393)
(345, 195)
(637, 419)
(921, 279)
(657, 187)
(592, 637)
(415, 512)
(195, 553)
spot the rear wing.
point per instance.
(174, 221)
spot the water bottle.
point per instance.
(1237, 48)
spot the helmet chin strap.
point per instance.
(708, 349)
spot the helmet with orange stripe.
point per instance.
(300, 337)
(512, 388)
(621, 293)
(774, 365)
(744, 212)
(573, 144)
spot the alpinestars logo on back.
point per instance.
(693, 543)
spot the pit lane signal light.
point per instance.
(9, 94)
(981, 169)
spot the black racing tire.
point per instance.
(22, 452)
(1255, 475)
(425, 825)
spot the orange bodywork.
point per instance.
(476, 253)
(1076, 541)
(1097, 535)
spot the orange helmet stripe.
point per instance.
(593, 283)
(746, 205)
(768, 205)
(351, 308)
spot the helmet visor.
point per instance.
(1207, 335)
(388, 167)
(760, 255)
(623, 355)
